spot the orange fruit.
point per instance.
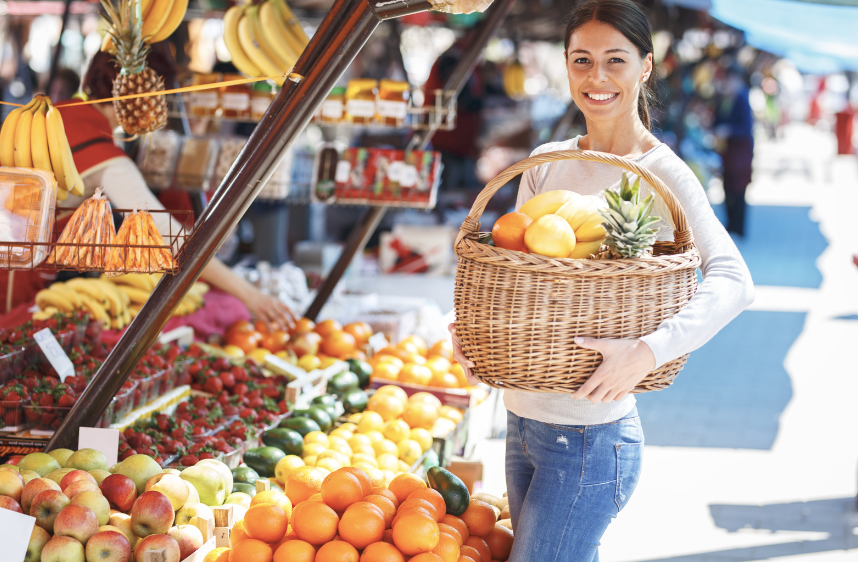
(457, 524)
(508, 231)
(388, 537)
(404, 484)
(415, 533)
(275, 497)
(327, 327)
(266, 522)
(448, 530)
(381, 552)
(427, 557)
(388, 406)
(363, 478)
(385, 505)
(386, 370)
(303, 325)
(295, 551)
(415, 342)
(414, 373)
(416, 502)
(420, 414)
(481, 547)
(444, 380)
(411, 509)
(457, 371)
(438, 365)
(442, 348)
(237, 534)
(500, 542)
(337, 551)
(425, 398)
(360, 330)
(338, 344)
(316, 498)
(383, 491)
(472, 552)
(394, 390)
(448, 548)
(468, 558)
(220, 554)
(340, 489)
(480, 518)
(360, 527)
(314, 522)
(303, 482)
(251, 550)
(433, 497)
(376, 477)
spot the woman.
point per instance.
(572, 462)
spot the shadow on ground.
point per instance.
(836, 517)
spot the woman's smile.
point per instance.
(600, 97)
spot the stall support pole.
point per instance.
(359, 235)
(341, 35)
(59, 50)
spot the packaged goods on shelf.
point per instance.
(204, 103)
(261, 96)
(27, 216)
(392, 105)
(196, 163)
(332, 109)
(287, 282)
(235, 99)
(139, 247)
(278, 185)
(91, 223)
(360, 100)
(230, 147)
(157, 158)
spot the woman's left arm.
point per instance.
(726, 290)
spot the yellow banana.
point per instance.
(136, 295)
(298, 38)
(139, 280)
(268, 47)
(128, 316)
(158, 15)
(274, 32)
(253, 50)
(39, 140)
(23, 154)
(177, 14)
(114, 298)
(47, 298)
(7, 136)
(145, 8)
(230, 37)
(52, 127)
(96, 309)
(70, 294)
(83, 287)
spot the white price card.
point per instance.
(15, 531)
(104, 440)
(55, 353)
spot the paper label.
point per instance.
(332, 109)
(104, 440)
(394, 171)
(55, 353)
(378, 341)
(259, 105)
(394, 109)
(15, 531)
(360, 108)
(344, 168)
(234, 101)
(207, 100)
(408, 177)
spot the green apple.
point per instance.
(139, 468)
(12, 467)
(114, 468)
(38, 539)
(62, 455)
(224, 471)
(193, 495)
(29, 475)
(172, 471)
(238, 512)
(239, 498)
(208, 482)
(191, 510)
(122, 521)
(99, 475)
(87, 459)
(95, 501)
(171, 486)
(42, 463)
(58, 475)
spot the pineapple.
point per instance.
(628, 222)
(125, 28)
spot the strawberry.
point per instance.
(189, 460)
(213, 386)
(46, 401)
(66, 401)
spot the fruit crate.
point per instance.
(306, 387)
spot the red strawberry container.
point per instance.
(124, 400)
(182, 372)
(11, 415)
(143, 391)
(12, 364)
(164, 382)
(45, 418)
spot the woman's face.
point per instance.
(605, 71)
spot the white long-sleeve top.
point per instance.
(726, 289)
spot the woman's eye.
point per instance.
(616, 59)
(581, 61)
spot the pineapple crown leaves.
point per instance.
(125, 27)
(628, 223)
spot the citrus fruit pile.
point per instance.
(351, 517)
(411, 361)
(422, 414)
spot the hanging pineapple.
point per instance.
(628, 222)
(125, 28)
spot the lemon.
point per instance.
(450, 413)
(359, 441)
(312, 449)
(409, 451)
(309, 363)
(363, 465)
(369, 459)
(374, 436)
(342, 447)
(355, 418)
(286, 465)
(310, 460)
(422, 436)
(396, 430)
(259, 354)
(334, 438)
(327, 362)
(364, 450)
(216, 553)
(317, 437)
(393, 390)
(388, 476)
(385, 446)
(387, 461)
(343, 434)
(329, 464)
(233, 351)
(403, 466)
(349, 426)
(370, 421)
(443, 427)
(333, 454)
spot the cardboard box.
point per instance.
(471, 472)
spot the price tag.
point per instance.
(408, 178)
(394, 171)
(55, 354)
(15, 531)
(104, 440)
(344, 168)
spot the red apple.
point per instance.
(63, 549)
(152, 514)
(33, 488)
(74, 476)
(77, 522)
(305, 343)
(122, 523)
(11, 484)
(120, 491)
(108, 546)
(79, 486)
(189, 539)
(155, 542)
(38, 539)
(8, 503)
(46, 506)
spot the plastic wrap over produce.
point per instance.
(460, 6)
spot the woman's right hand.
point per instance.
(460, 358)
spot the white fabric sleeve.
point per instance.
(727, 288)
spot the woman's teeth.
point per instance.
(600, 97)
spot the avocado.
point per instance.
(355, 401)
(245, 475)
(248, 489)
(301, 425)
(362, 369)
(318, 414)
(263, 460)
(287, 440)
(451, 488)
(340, 384)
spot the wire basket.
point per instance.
(517, 313)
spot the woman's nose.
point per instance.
(597, 74)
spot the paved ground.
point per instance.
(752, 454)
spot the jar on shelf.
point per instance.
(261, 96)
(204, 103)
(333, 108)
(360, 100)
(235, 99)
(392, 103)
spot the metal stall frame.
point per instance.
(340, 36)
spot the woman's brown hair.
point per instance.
(629, 19)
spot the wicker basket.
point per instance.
(517, 313)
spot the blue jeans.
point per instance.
(566, 482)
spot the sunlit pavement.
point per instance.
(753, 453)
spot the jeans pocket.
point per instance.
(629, 460)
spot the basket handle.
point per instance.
(682, 235)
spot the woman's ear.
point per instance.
(647, 67)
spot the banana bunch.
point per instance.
(263, 39)
(161, 18)
(33, 136)
(138, 288)
(513, 80)
(101, 298)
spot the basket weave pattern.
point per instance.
(517, 313)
